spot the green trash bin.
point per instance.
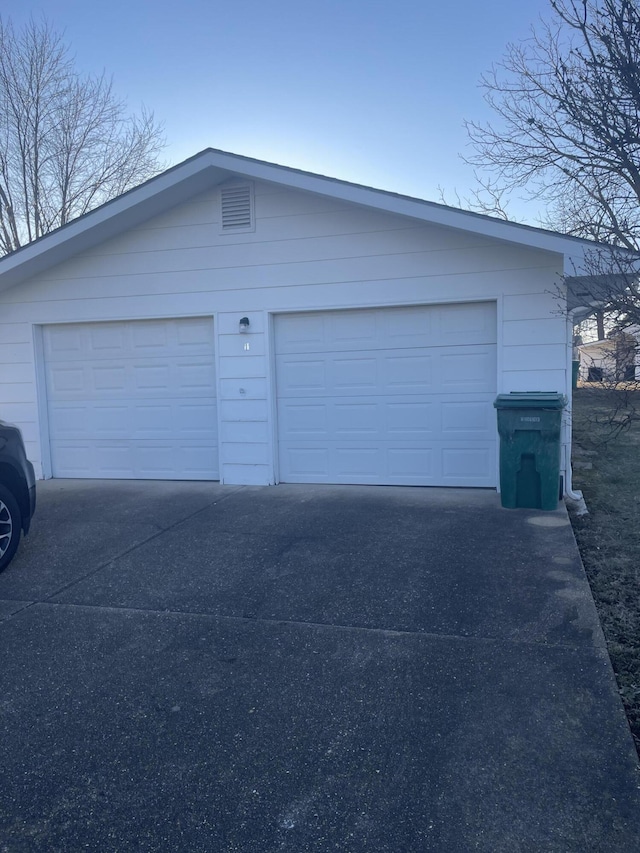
(529, 424)
(575, 373)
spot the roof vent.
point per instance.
(236, 207)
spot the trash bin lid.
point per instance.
(530, 400)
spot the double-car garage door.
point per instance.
(385, 396)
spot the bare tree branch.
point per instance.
(67, 143)
(568, 132)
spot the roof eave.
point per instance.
(211, 167)
(122, 213)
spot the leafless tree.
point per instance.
(568, 104)
(567, 133)
(67, 143)
(611, 379)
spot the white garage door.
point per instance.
(133, 400)
(398, 396)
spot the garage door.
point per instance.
(399, 396)
(132, 400)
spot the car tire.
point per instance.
(10, 526)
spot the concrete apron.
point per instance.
(189, 666)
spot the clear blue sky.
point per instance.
(372, 91)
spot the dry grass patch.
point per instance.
(607, 470)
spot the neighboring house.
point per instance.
(613, 359)
(237, 320)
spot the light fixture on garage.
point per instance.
(244, 325)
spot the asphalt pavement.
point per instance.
(197, 667)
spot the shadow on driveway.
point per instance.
(189, 666)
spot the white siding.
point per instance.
(534, 342)
(245, 450)
(307, 253)
(18, 381)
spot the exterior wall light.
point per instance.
(244, 325)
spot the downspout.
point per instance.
(569, 493)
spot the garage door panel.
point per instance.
(412, 326)
(304, 419)
(177, 377)
(65, 380)
(194, 335)
(412, 420)
(410, 371)
(145, 338)
(407, 326)
(298, 375)
(327, 417)
(410, 465)
(307, 464)
(359, 419)
(468, 420)
(133, 419)
(172, 460)
(153, 420)
(383, 464)
(388, 396)
(115, 460)
(198, 419)
(67, 420)
(107, 337)
(150, 335)
(352, 327)
(81, 459)
(469, 370)
(466, 464)
(99, 379)
(433, 370)
(301, 333)
(192, 375)
(405, 417)
(62, 340)
(357, 374)
(101, 421)
(134, 398)
(197, 460)
(357, 460)
(158, 460)
(151, 377)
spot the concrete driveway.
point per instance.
(196, 667)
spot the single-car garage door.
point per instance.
(398, 396)
(132, 399)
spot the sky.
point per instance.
(370, 91)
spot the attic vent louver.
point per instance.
(236, 207)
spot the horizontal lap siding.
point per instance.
(17, 380)
(285, 264)
(307, 252)
(245, 447)
(534, 351)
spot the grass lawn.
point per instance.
(607, 470)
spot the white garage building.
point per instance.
(240, 321)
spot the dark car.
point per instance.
(17, 492)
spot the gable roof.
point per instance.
(212, 167)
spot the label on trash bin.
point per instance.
(530, 419)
